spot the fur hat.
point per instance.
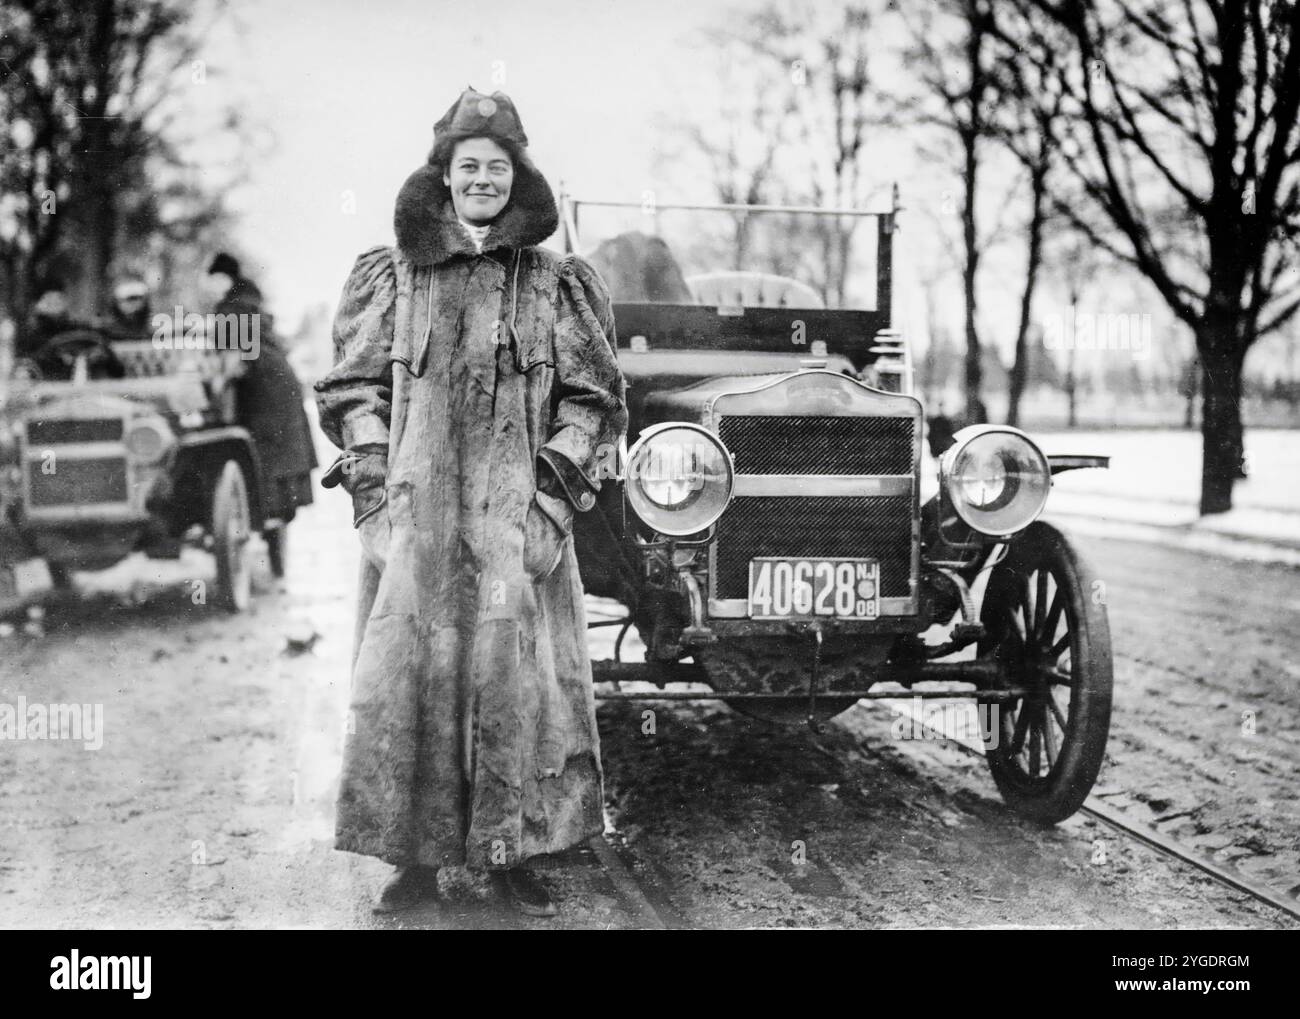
(475, 115)
(425, 221)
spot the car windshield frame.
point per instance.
(871, 290)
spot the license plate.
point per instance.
(781, 588)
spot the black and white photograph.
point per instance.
(651, 465)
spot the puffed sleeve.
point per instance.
(355, 397)
(591, 414)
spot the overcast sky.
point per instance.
(350, 91)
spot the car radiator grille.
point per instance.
(878, 527)
(73, 430)
(818, 445)
(77, 482)
(856, 526)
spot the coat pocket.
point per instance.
(534, 348)
(531, 324)
(406, 352)
(546, 528)
(375, 531)
(362, 476)
(399, 497)
(412, 333)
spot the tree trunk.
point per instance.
(844, 257)
(9, 291)
(1220, 421)
(931, 363)
(97, 254)
(970, 269)
(100, 155)
(1020, 366)
(1071, 390)
(742, 243)
(1019, 369)
(1192, 376)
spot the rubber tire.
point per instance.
(1051, 798)
(230, 514)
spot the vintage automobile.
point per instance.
(766, 529)
(123, 446)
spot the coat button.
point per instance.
(586, 500)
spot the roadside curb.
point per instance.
(1189, 538)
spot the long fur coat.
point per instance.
(473, 738)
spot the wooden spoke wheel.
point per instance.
(1045, 619)
(231, 529)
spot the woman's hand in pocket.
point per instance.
(362, 474)
(546, 529)
(375, 532)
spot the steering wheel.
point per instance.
(58, 357)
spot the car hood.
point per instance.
(679, 386)
(171, 394)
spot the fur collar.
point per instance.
(428, 231)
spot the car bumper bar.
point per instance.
(983, 674)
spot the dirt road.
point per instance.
(210, 801)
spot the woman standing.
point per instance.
(474, 392)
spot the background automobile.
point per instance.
(94, 467)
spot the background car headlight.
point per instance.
(147, 439)
(679, 478)
(996, 479)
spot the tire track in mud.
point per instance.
(1205, 738)
(1117, 817)
(756, 826)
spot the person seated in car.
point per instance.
(51, 322)
(50, 316)
(270, 399)
(130, 316)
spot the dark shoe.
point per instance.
(405, 888)
(526, 893)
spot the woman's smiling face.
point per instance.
(480, 176)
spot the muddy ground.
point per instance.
(210, 802)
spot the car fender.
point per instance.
(202, 454)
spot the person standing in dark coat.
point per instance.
(242, 296)
(270, 401)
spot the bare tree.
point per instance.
(1078, 265)
(1182, 155)
(88, 94)
(741, 148)
(1027, 123)
(797, 131)
(950, 52)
